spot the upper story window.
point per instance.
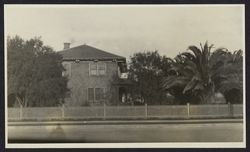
(97, 69)
(93, 69)
(102, 69)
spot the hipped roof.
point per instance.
(86, 52)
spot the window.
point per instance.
(93, 69)
(96, 94)
(91, 93)
(99, 93)
(97, 69)
(102, 69)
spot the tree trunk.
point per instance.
(22, 101)
(19, 100)
(25, 102)
(208, 95)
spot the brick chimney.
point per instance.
(66, 45)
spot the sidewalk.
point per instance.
(123, 122)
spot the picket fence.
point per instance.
(127, 112)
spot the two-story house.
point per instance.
(94, 76)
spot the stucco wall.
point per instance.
(80, 80)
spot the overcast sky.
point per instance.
(124, 30)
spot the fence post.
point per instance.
(62, 109)
(146, 110)
(188, 109)
(230, 109)
(104, 110)
(21, 112)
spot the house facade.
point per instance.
(94, 76)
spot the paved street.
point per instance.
(170, 131)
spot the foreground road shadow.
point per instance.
(57, 134)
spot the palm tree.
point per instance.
(199, 72)
(230, 77)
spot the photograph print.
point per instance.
(116, 76)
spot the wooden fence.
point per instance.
(127, 112)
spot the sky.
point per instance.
(124, 30)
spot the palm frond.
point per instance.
(192, 83)
(195, 50)
(173, 81)
(188, 55)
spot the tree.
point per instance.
(230, 76)
(200, 73)
(146, 71)
(20, 61)
(34, 73)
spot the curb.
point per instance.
(124, 122)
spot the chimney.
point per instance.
(66, 45)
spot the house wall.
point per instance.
(79, 80)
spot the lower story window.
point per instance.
(91, 94)
(96, 94)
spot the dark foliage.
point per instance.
(146, 71)
(199, 74)
(34, 74)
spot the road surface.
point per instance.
(95, 132)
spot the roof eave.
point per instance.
(103, 59)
